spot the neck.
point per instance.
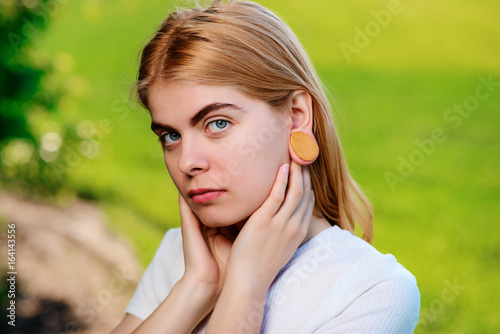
(317, 225)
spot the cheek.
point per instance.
(252, 158)
(174, 172)
(259, 168)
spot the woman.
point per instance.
(267, 204)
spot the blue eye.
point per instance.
(219, 124)
(171, 137)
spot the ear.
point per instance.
(302, 144)
(301, 110)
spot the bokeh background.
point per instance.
(416, 85)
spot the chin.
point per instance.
(217, 219)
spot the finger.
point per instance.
(294, 193)
(219, 245)
(302, 216)
(307, 178)
(309, 191)
(187, 215)
(275, 199)
(190, 224)
(305, 200)
(307, 216)
(304, 220)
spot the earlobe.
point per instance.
(303, 147)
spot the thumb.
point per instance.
(220, 246)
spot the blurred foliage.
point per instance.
(34, 140)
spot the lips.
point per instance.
(202, 195)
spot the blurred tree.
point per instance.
(19, 80)
(32, 134)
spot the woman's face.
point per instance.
(219, 139)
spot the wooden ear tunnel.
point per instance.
(304, 146)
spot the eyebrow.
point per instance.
(199, 115)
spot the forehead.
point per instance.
(177, 101)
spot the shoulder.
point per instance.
(385, 286)
(170, 242)
(167, 265)
(345, 285)
(346, 267)
(355, 268)
(164, 270)
(363, 266)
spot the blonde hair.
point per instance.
(245, 45)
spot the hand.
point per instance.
(206, 251)
(273, 233)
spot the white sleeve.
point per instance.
(390, 307)
(166, 268)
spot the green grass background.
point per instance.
(440, 223)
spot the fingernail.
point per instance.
(286, 168)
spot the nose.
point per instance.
(193, 157)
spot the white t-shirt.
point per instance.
(334, 283)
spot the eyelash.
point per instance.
(228, 123)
